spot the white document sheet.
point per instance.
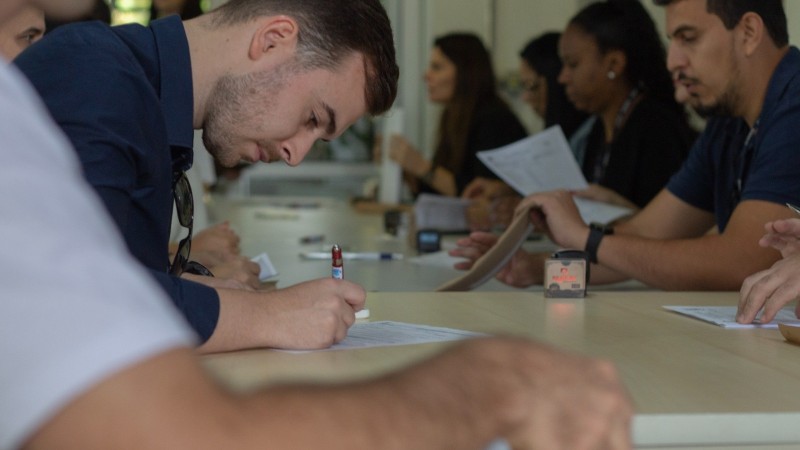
(441, 213)
(389, 333)
(592, 211)
(544, 162)
(725, 316)
(267, 270)
(539, 163)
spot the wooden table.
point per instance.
(276, 225)
(692, 383)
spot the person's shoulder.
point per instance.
(496, 113)
(78, 37)
(656, 118)
(89, 56)
(86, 44)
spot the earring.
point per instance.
(611, 75)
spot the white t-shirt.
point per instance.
(74, 306)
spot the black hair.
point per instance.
(626, 26)
(475, 85)
(731, 12)
(329, 31)
(541, 54)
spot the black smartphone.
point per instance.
(429, 241)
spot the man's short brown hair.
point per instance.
(329, 31)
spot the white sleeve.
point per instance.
(74, 305)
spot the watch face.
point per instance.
(428, 241)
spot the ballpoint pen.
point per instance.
(387, 256)
(793, 208)
(337, 265)
(337, 272)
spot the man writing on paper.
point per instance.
(733, 59)
(264, 79)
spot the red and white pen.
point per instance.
(337, 263)
(337, 273)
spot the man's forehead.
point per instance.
(689, 15)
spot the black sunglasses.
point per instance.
(184, 204)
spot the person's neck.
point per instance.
(755, 82)
(608, 115)
(210, 50)
(166, 12)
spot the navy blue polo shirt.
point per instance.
(123, 95)
(770, 170)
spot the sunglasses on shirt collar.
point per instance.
(184, 204)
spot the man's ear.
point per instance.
(750, 32)
(272, 34)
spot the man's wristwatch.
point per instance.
(596, 233)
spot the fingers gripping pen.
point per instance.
(337, 273)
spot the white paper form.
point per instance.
(544, 162)
(388, 333)
(539, 163)
(725, 316)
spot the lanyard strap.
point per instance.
(601, 162)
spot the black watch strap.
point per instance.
(596, 233)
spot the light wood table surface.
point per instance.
(276, 225)
(694, 384)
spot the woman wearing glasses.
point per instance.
(539, 67)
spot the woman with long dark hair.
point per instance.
(474, 118)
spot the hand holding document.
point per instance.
(493, 260)
(544, 162)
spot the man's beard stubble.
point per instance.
(237, 100)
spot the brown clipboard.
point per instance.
(492, 261)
